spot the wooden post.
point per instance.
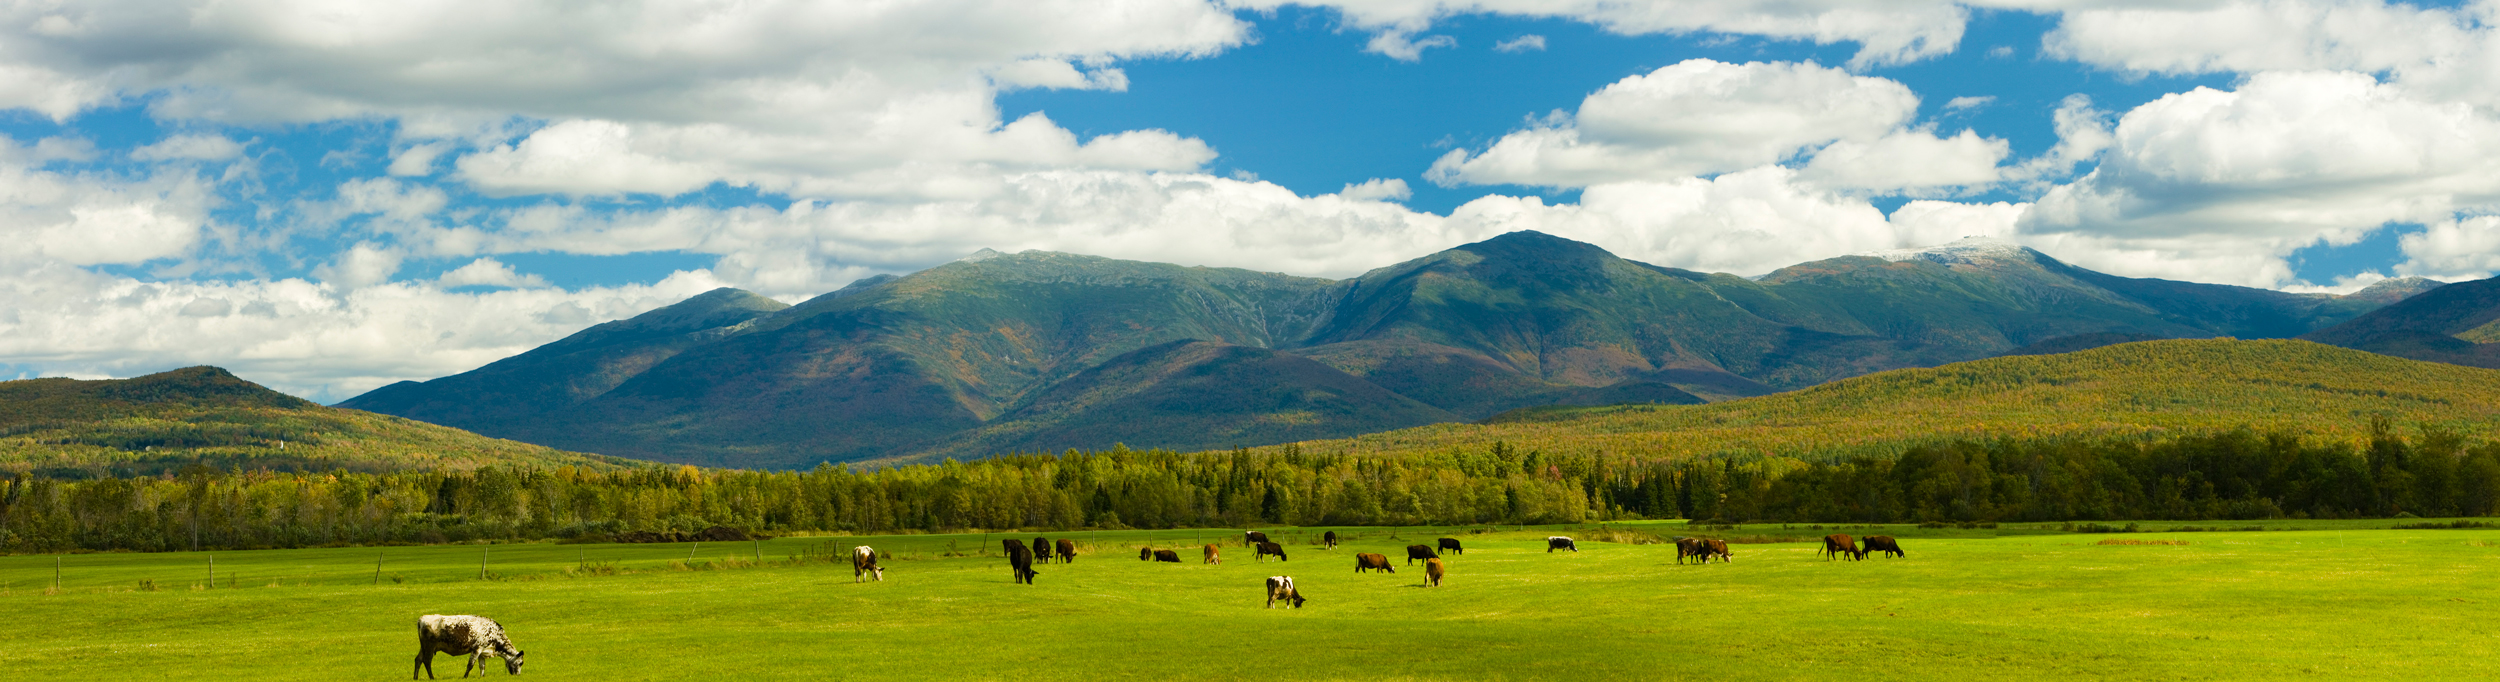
(56, 574)
(377, 567)
(690, 553)
(759, 551)
(481, 561)
(212, 571)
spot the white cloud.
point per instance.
(1526, 43)
(1701, 117)
(489, 272)
(1967, 103)
(305, 338)
(1377, 189)
(2466, 248)
(361, 266)
(74, 219)
(1404, 46)
(417, 159)
(1887, 31)
(2249, 36)
(190, 148)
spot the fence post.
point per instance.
(489, 550)
(212, 571)
(56, 573)
(377, 567)
(698, 545)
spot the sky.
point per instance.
(328, 197)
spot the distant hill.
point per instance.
(203, 415)
(2150, 387)
(979, 354)
(2457, 324)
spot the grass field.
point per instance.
(2334, 599)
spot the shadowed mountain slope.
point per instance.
(2457, 324)
(973, 355)
(163, 422)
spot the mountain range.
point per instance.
(1041, 351)
(2458, 324)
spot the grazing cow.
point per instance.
(1010, 546)
(471, 636)
(1212, 557)
(1432, 572)
(1041, 550)
(864, 562)
(1281, 587)
(1716, 548)
(1021, 560)
(1414, 552)
(1167, 556)
(1330, 539)
(1881, 543)
(1451, 545)
(1067, 551)
(1560, 542)
(1267, 548)
(1145, 554)
(1252, 538)
(1691, 547)
(1838, 545)
(1367, 562)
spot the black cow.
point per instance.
(1011, 546)
(1267, 548)
(1252, 538)
(1067, 552)
(1167, 556)
(1691, 547)
(1145, 554)
(1414, 552)
(1021, 560)
(1367, 562)
(1041, 550)
(1560, 542)
(1451, 545)
(1330, 539)
(1881, 543)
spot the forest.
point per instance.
(2236, 474)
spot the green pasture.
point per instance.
(2305, 599)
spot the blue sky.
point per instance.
(329, 201)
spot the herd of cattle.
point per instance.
(480, 638)
(1020, 556)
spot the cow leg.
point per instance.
(464, 672)
(425, 662)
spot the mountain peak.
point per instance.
(985, 253)
(1964, 251)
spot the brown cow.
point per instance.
(1838, 544)
(1167, 556)
(1881, 543)
(1067, 552)
(1330, 539)
(1212, 557)
(1281, 587)
(1691, 547)
(1716, 548)
(1414, 552)
(1041, 550)
(1267, 548)
(1367, 562)
(1432, 572)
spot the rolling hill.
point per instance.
(2150, 387)
(203, 415)
(973, 355)
(2456, 324)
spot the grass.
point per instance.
(2021, 600)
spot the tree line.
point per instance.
(2239, 474)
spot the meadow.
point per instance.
(2343, 599)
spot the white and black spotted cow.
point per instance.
(864, 562)
(471, 636)
(1559, 542)
(1281, 587)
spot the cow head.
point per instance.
(1296, 596)
(512, 663)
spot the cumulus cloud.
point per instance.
(490, 273)
(1702, 117)
(2466, 248)
(1377, 189)
(310, 339)
(87, 219)
(1887, 31)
